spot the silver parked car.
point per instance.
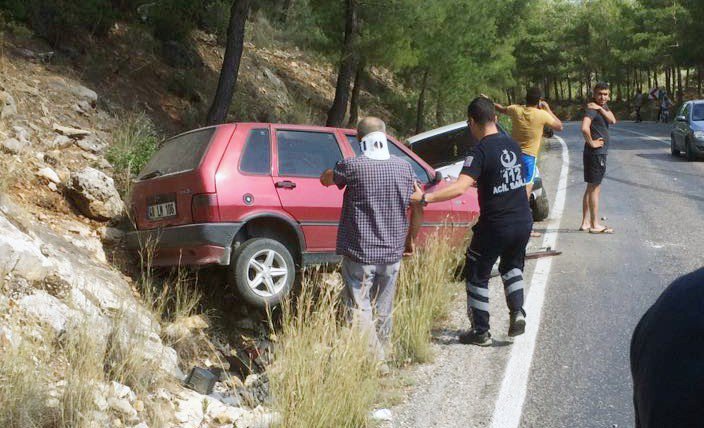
(687, 133)
(446, 148)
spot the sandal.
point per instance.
(605, 229)
(535, 234)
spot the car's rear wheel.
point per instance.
(263, 271)
(673, 147)
(689, 151)
(540, 206)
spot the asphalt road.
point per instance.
(595, 294)
(601, 286)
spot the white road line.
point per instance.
(509, 405)
(645, 136)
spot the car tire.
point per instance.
(689, 151)
(673, 147)
(263, 272)
(541, 207)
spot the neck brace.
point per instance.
(375, 146)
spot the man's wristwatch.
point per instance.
(423, 202)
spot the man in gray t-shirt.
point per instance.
(595, 128)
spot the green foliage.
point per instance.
(175, 19)
(134, 142)
(55, 20)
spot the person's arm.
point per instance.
(556, 123)
(608, 114)
(497, 106)
(463, 183)
(586, 123)
(414, 227)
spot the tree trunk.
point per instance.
(569, 88)
(699, 81)
(668, 80)
(440, 108)
(420, 112)
(554, 87)
(680, 95)
(354, 101)
(285, 9)
(348, 62)
(546, 85)
(655, 78)
(230, 64)
(686, 79)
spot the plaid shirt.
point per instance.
(374, 220)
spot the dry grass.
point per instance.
(23, 386)
(323, 374)
(84, 370)
(423, 296)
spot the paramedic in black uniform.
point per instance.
(504, 225)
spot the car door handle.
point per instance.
(286, 184)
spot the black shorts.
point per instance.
(594, 167)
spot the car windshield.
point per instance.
(698, 112)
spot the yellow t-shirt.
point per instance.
(528, 123)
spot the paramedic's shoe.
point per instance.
(471, 337)
(517, 323)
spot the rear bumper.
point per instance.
(188, 245)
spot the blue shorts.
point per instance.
(528, 168)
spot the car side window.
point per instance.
(685, 111)
(420, 172)
(256, 156)
(305, 153)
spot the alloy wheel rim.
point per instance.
(267, 273)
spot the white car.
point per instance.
(445, 149)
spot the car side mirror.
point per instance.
(437, 178)
(681, 119)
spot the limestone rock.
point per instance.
(91, 145)
(121, 405)
(8, 106)
(13, 146)
(79, 91)
(61, 142)
(95, 195)
(71, 132)
(49, 174)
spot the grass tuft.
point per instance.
(423, 296)
(323, 374)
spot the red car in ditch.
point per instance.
(248, 196)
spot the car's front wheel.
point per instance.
(689, 151)
(263, 271)
(673, 147)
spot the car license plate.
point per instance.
(167, 209)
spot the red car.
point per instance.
(248, 196)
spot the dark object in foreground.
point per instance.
(666, 357)
(201, 380)
(543, 253)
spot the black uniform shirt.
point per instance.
(495, 163)
(599, 128)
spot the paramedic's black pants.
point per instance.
(507, 242)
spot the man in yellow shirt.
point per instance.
(528, 122)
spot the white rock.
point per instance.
(382, 415)
(49, 310)
(8, 106)
(62, 85)
(123, 406)
(91, 145)
(100, 402)
(53, 187)
(251, 380)
(21, 133)
(61, 142)
(141, 425)
(13, 146)
(119, 390)
(49, 174)
(95, 195)
(71, 132)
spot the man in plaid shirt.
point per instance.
(374, 229)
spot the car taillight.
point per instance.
(204, 208)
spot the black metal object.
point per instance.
(201, 380)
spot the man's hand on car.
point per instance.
(418, 193)
(326, 178)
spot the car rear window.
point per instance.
(445, 149)
(179, 154)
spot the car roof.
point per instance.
(293, 127)
(437, 131)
